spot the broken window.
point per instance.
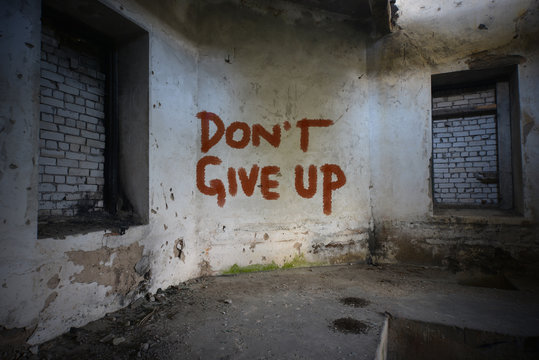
(93, 170)
(475, 140)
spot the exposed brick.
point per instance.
(68, 89)
(88, 165)
(59, 120)
(72, 105)
(95, 158)
(53, 76)
(68, 113)
(89, 134)
(49, 135)
(55, 170)
(46, 117)
(95, 113)
(96, 91)
(71, 122)
(67, 188)
(85, 187)
(73, 196)
(50, 144)
(75, 139)
(96, 173)
(90, 119)
(43, 125)
(68, 162)
(89, 96)
(77, 108)
(459, 152)
(96, 144)
(75, 84)
(76, 179)
(79, 172)
(75, 155)
(46, 109)
(52, 153)
(47, 161)
(69, 98)
(68, 130)
(47, 178)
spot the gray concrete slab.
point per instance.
(290, 314)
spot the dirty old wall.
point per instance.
(273, 67)
(263, 66)
(19, 124)
(437, 38)
(52, 284)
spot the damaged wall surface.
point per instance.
(433, 39)
(272, 132)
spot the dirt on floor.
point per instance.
(334, 312)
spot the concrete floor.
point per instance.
(290, 314)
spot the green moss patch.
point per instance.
(297, 261)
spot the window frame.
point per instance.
(505, 80)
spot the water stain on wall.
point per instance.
(529, 123)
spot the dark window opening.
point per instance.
(476, 140)
(72, 124)
(93, 171)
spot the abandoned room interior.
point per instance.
(256, 179)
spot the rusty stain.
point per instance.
(50, 299)
(205, 268)
(120, 274)
(53, 281)
(297, 246)
(266, 236)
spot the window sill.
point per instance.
(58, 227)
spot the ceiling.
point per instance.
(357, 9)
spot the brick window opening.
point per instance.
(93, 139)
(72, 124)
(465, 156)
(475, 140)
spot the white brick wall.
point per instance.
(464, 151)
(72, 133)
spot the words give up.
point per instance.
(248, 181)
